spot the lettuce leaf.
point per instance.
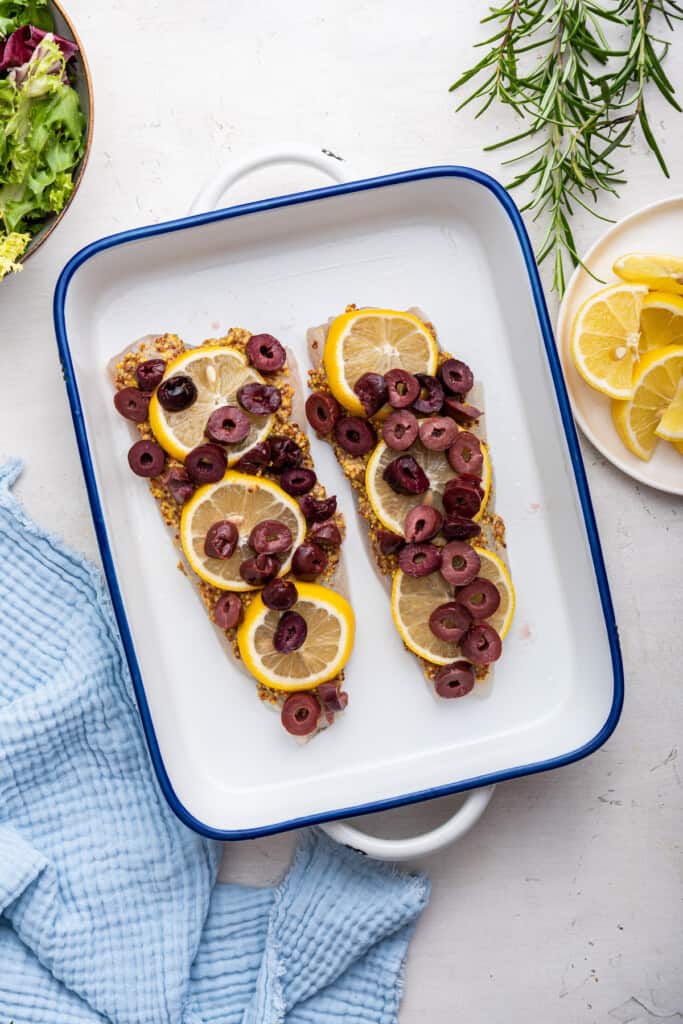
(42, 142)
(19, 47)
(15, 13)
(12, 246)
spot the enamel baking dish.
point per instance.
(450, 240)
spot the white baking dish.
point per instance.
(450, 240)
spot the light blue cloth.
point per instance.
(109, 907)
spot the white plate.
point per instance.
(655, 228)
(451, 241)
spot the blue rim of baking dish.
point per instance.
(294, 199)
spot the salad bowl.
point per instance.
(82, 83)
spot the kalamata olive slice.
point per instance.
(438, 433)
(227, 611)
(419, 559)
(400, 430)
(228, 425)
(298, 481)
(355, 435)
(271, 537)
(460, 563)
(259, 570)
(430, 398)
(482, 644)
(177, 393)
(450, 622)
(456, 376)
(405, 476)
(371, 390)
(309, 560)
(326, 533)
(206, 463)
(465, 454)
(147, 458)
(389, 543)
(284, 453)
(461, 412)
(480, 597)
(132, 404)
(300, 714)
(322, 411)
(265, 353)
(259, 399)
(402, 388)
(317, 510)
(422, 523)
(221, 539)
(178, 482)
(472, 480)
(279, 595)
(332, 698)
(462, 499)
(291, 633)
(150, 373)
(254, 459)
(456, 527)
(454, 680)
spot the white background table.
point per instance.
(563, 904)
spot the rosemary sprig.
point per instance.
(578, 95)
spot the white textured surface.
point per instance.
(564, 901)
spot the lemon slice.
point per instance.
(245, 500)
(374, 340)
(670, 427)
(217, 371)
(605, 339)
(322, 655)
(391, 508)
(656, 382)
(679, 447)
(493, 568)
(414, 599)
(661, 321)
(661, 272)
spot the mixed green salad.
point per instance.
(42, 127)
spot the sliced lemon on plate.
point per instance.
(670, 427)
(217, 372)
(606, 336)
(244, 500)
(323, 654)
(391, 508)
(658, 271)
(661, 321)
(374, 340)
(413, 599)
(656, 382)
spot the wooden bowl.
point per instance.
(83, 85)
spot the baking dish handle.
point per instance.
(467, 815)
(476, 801)
(285, 153)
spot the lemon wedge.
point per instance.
(660, 272)
(244, 500)
(391, 508)
(661, 321)
(374, 340)
(413, 599)
(323, 654)
(670, 427)
(605, 338)
(217, 372)
(656, 382)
